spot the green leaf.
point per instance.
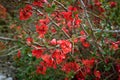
(50, 9)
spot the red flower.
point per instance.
(41, 70)
(106, 60)
(88, 70)
(58, 56)
(90, 6)
(97, 73)
(49, 61)
(82, 39)
(65, 30)
(98, 4)
(65, 45)
(44, 1)
(67, 15)
(25, 13)
(118, 68)
(69, 24)
(114, 46)
(37, 3)
(117, 42)
(71, 66)
(42, 30)
(112, 4)
(18, 27)
(88, 63)
(95, 1)
(53, 30)
(29, 40)
(82, 32)
(44, 21)
(96, 20)
(75, 40)
(80, 76)
(53, 42)
(71, 8)
(78, 21)
(66, 79)
(97, 78)
(19, 54)
(37, 53)
(45, 57)
(86, 44)
(101, 9)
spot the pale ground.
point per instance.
(3, 77)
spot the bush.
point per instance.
(71, 40)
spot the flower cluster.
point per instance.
(68, 39)
(25, 13)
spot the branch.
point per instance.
(7, 39)
(10, 53)
(108, 31)
(87, 17)
(10, 39)
(91, 27)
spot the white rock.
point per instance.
(9, 78)
(3, 77)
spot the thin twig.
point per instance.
(61, 5)
(7, 39)
(108, 31)
(108, 77)
(12, 52)
(82, 26)
(10, 39)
